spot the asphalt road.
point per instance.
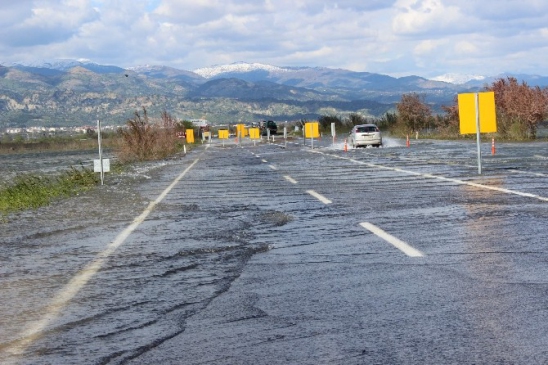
(283, 254)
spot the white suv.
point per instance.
(364, 135)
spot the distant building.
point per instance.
(199, 122)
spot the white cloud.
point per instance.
(466, 47)
(424, 37)
(428, 46)
(422, 16)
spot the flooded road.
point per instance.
(45, 162)
(281, 254)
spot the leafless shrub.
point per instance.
(144, 140)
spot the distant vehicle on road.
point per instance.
(269, 125)
(364, 135)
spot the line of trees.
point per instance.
(519, 107)
(346, 123)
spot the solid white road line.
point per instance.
(320, 197)
(528, 173)
(399, 244)
(430, 176)
(290, 179)
(61, 300)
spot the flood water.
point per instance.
(44, 162)
(238, 264)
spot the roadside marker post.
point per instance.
(333, 132)
(101, 165)
(407, 142)
(493, 149)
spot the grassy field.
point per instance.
(33, 191)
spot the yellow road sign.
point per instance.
(241, 130)
(254, 133)
(311, 130)
(189, 136)
(223, 133)
(487, 114)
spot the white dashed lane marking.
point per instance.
(320, 197)
(399, 244)
(290, 179)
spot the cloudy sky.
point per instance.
(394, 37)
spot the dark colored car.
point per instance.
(271, 126)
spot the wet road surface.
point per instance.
(265, 255)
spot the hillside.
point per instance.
(75, 93)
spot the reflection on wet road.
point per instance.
(265, 254)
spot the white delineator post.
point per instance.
(478, 134)
(100, 151)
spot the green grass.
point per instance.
(33, 191)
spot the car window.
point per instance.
(366, 129)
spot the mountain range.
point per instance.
(71, 92)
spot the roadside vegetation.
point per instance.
(141, 140)
(33, 191)
(520, 108)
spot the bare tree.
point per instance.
(520, 108)
(326, 120)
(449, 124)
(356, 119)
(413, 112)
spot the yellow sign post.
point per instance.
(477, 115)
(311, 130)
(241, 130)
(486, 109)
(223, 134)
(254, 134)
(189, 136)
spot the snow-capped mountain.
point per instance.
(238, 67)
(65, 65)
(458, 79)
(55, 64)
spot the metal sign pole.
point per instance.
(478, 134)
(100, 151)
